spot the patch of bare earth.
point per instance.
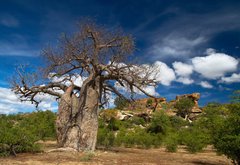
(117, 156)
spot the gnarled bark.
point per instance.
(77, 119)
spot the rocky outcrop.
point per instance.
(144, 108)
(194, 97)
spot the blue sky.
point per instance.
(196, 42)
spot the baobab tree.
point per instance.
(100, 56)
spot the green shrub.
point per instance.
(138, 138)
(177, 122)
(149, 102)
(137, 120)
(41, 124)
(194, 139)
(113, 124)
(160, 123)
(171, 142)
(227, 137)
(105, 138)
(15, 139)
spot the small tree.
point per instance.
(184, 106)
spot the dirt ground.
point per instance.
(120, 156)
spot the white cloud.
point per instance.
(164, 74)
(77, 79)
(182, 69)
(151, 90)
(9, 102)
(185, 80)
(215, 65)
(232, 79)
(205, 84)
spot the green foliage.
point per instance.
(194, 139)
(227, 137)
(177, 122)
(211, 120)
(235, 97)
(149, 102)
(164, 106)
(184, 106)
(105, 137)
(218, 125)
(19, 133)
(41, 124)
(171, 142)
(14, 138)
(113, 124)
(138, 137)
(137, 120)
(160, 123)
(120, 102)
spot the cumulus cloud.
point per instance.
(182, 69)
(232, 79)
(205, 84)
(185, 80)
(164, 74)
(214, 65)
(9, 102)
(77, 79)
(148, 89)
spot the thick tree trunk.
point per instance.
(77, 119)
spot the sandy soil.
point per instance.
(117, 156)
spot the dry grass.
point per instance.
(117, 156)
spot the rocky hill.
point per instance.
(146, 106)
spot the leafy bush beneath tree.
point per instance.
(15, 139)
(19, 133)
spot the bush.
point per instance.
(105, 138)
(194, 139)
(15, 139)
(177, 122)
(227, 137)
(41, 124)
(137, 137)
(137, 120)
(160, 123)
(171, 142)
(149, 102)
